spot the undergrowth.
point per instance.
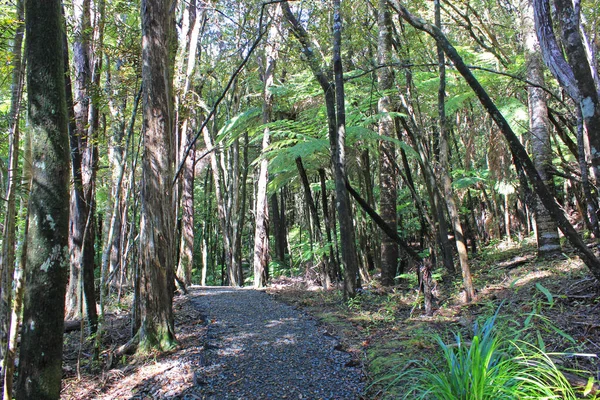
(489, 366)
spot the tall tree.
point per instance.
(338, 151)
(186, 245)
(261, 232)
(387, 149)
(546, 230)
(157, 219)
(336, 126)
(46, 270)
(79, 207)
(7, 255)
(450, 197)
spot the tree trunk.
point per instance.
(261, 232)
(40, 358)
(324, 263)
(450, 196)
(387, 149)
(9, 276)
(17, 306)
(278, 231)
(157, 228)
(590, 200)
(333, 264)
(334, 102)
(187, 240)
(546, 230)
(517, 149)
(338, 147)
(79, 207)
(575, 75)
(437, 212)
(224, 210)
(7, 255)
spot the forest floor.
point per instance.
(554, 304)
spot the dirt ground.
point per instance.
(554, 304)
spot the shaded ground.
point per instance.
(236, 343)
(551, 304)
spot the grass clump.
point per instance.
(487, 367)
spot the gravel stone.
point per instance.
(257, 348)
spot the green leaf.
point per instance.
(546, 292)
(589, 386)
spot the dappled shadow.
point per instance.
(259, 349)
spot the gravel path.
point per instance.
(257, 348)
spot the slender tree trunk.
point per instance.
(387, 149)
(261, 232)
(40, 358)
(186, 250)
(9, 275)
(333, 264)
(324, 270)
(17, 306)
(79, 206)
(437, 213)
(206, 228)
(157, 220)
(221, 206)
(7, 255)
(116, 226)
(334, 102)
(117, 102)
(338, 147)
(92, 229)
(450, 196)
(278, 231)
(241, 214)
(546, 229)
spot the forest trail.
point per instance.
(236, 344)
(258, 348)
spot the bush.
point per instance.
(487, 367)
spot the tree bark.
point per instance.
(79, 207)
(333, 264)
(546, 230)
(575, 75)
(387, 149)
(157, 227)
(187, 240)
(40, 358)
(338, 147)
(261, 231)
(11, 276)
(324, 262)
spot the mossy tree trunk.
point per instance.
(40, 358)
